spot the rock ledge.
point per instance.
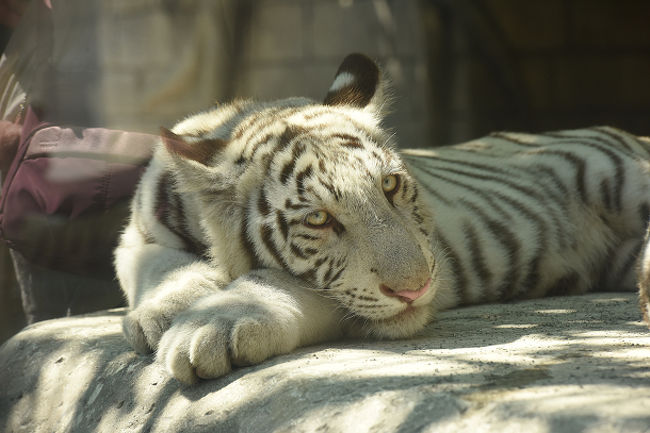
(553, 365)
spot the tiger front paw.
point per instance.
(226, 330)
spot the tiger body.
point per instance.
(261, 227)
(526, 215)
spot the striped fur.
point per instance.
(222, 215)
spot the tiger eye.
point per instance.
(390, 183)
(318, 218)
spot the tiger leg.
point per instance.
(259, 315)
(159, 283)
(644, 278)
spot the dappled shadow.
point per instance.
(81, 375)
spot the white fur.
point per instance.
(342, 80)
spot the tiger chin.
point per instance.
(261, 227)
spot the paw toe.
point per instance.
(173, 353)
(209, 353)
(135, 335)
(253, 341)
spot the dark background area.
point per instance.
(537, 65)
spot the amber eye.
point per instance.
(318, 219)
(390, 183)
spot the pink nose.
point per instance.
(407, 296)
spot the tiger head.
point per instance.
(316, 190)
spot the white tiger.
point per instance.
(261, 227)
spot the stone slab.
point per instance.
(553, 365)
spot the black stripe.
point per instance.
(437, 195)
(289, 134)
(295, 249)
(551, 174)
(523, 189)
(266, 233)
(463, 163)
(296, 221)
(328, 273)
(507, 137)
(246, 242)
(287, 170)
(300, 179)
(414, 197)
(334, 191)
(480, 192)
(258, 144)
(336, 276)
(605, 147)
(578, 165)
(262, 204)
(415, 164)
(541, 242)
(308, 237)
(170, 212)
(510, 243)
(288, 204)
(476, 254)
(416, 216)
(617, 138)
(604, 193)
(349, 141)
(282, 223)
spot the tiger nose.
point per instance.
(407, 296)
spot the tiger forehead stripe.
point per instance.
(348, 140)
(301, 177)
(287, 170)
(262, 204)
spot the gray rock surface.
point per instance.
(554, 365)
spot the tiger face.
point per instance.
(318, 191)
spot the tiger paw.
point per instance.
(226, 330)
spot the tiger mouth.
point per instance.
(407, 312)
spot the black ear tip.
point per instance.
(355, 83)
(357, 63)
(357, 57)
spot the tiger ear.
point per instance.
(201, 151)
(358, 83)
